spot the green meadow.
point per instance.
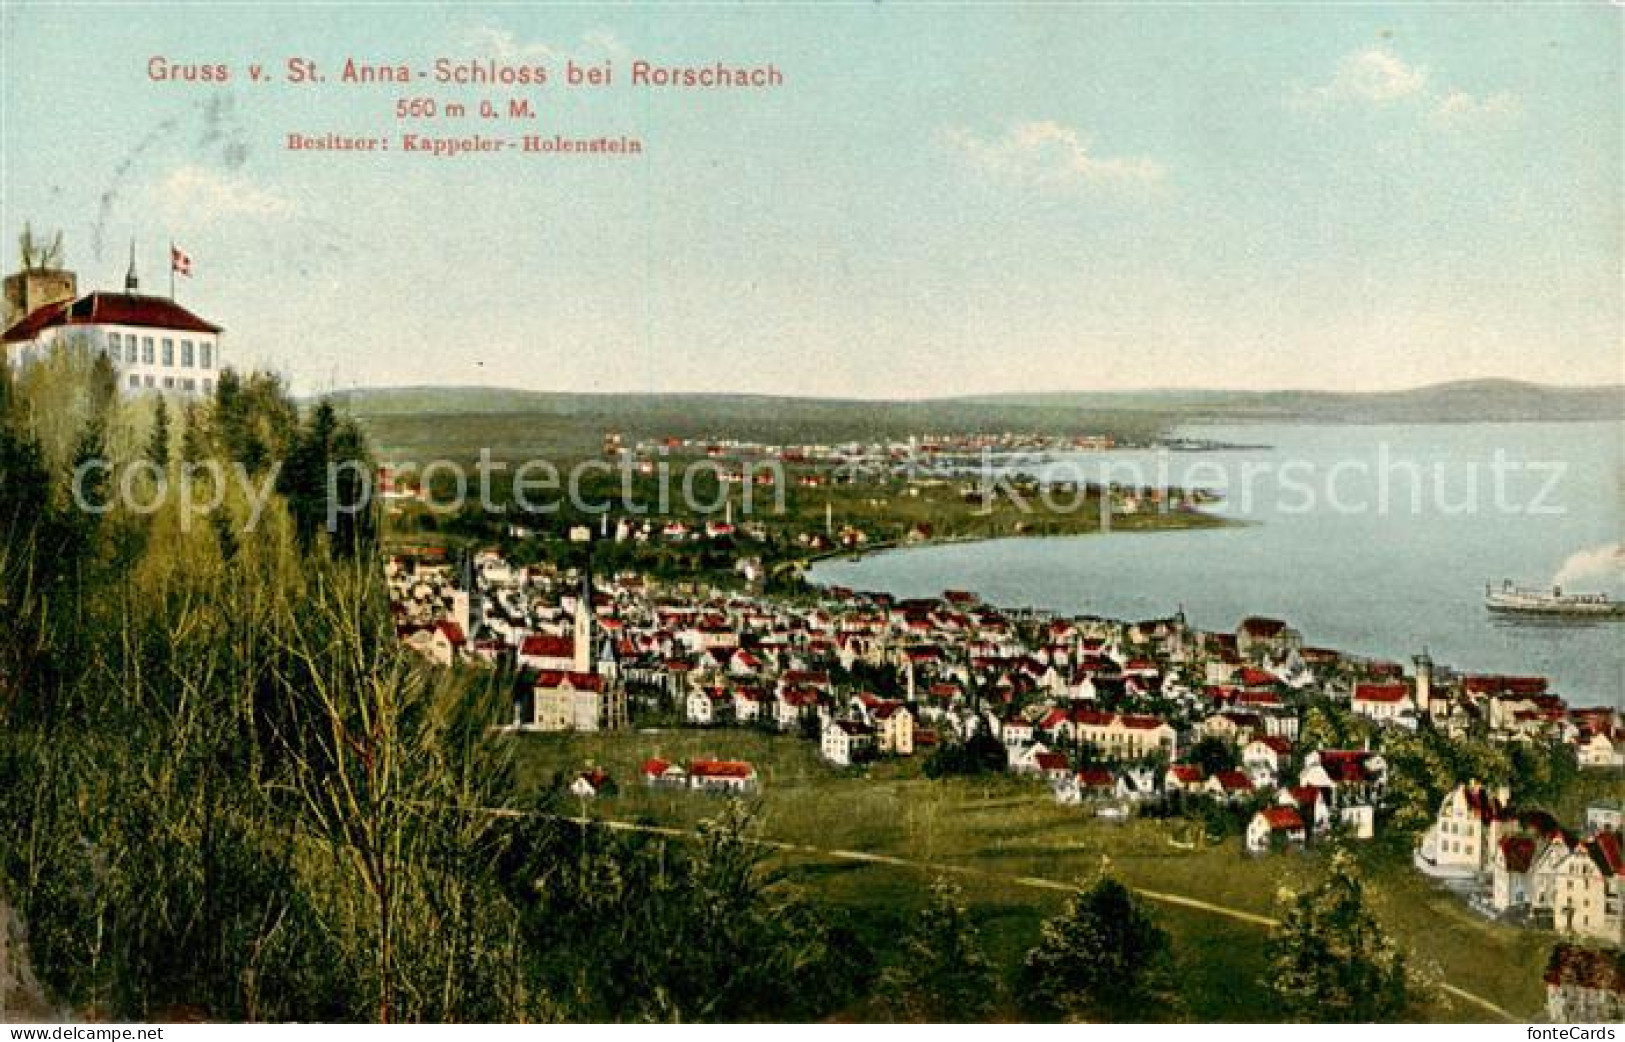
(1014, 850)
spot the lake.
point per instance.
(1376, 540)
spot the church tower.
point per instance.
(1424, 683)
(583, 625)
(612, 713)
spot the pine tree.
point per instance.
(355, 526)
(194, 435)
(1103, 958)
(158, 443)
(1330, 961)
(943, 976)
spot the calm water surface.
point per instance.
(1376, 540)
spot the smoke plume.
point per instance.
(1605, 562)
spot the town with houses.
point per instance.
(1105, 715)
(1115, 718)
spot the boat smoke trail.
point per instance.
(1606, 561)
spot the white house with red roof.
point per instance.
(1266, 757)
(1274, 826)
(894, 727)
(664, 773)
(844, 741)
(721, 775)
(1184, 777)
(566, 701)
(1384, 703)
(1463, 840)
(153, 342)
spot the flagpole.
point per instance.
(172, 270)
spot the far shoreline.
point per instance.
(1211, 522)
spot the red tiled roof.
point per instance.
(109, 309)
(1381, 692)
(1344, 765)
(1518, 852)
(1605, 851)
(720, 769)
(543, 645)
(1505, 685)
(1586, 968)
(1305, 795)
(1282, 819)
(553, 679)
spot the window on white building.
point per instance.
(207, 354)
(150, 382)
(146, 351)
(169, 383)
(208, 387)
(135, 381)
(115, 347)
(187, 357)
(169, 352)
(188, 385)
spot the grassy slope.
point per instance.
(996, 832)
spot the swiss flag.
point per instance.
(179, 262)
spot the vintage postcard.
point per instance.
(839, 513)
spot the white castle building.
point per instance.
(153, 342)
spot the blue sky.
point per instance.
(940, 200)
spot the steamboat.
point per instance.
(1511, 600)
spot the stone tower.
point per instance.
(1424, 683)
(28, 291)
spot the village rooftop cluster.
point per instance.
(1116, 717)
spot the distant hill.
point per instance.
(1467, 401)
(459, 420)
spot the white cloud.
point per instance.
(202, 194)
(1372, 76)
(1046, 153)
(1459, 108)
(504, 45)
(1379, 79)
